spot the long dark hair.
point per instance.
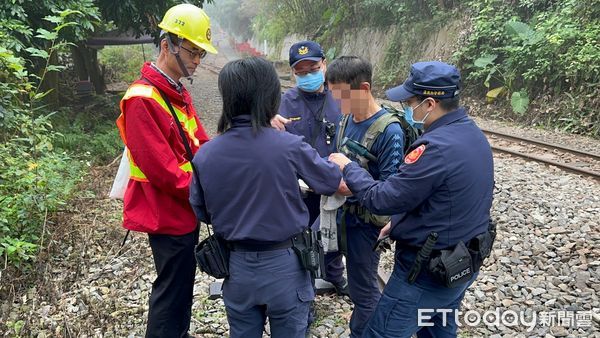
(249, 87)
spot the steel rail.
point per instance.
(542, 143)
(565, 166)
(549, 146)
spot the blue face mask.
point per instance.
(310, 82)
(408, 114)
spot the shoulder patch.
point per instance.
(414, 155)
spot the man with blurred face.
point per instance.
(369, 135)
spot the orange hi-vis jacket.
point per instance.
(157, 197)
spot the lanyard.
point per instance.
(318, 117)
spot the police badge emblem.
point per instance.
(414, 155)
(303, 50)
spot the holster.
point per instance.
(307, 246)
(212, 256)
(452, 267)
(480, 248)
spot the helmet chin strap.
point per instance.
(186, 74)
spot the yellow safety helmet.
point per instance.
(191, 23)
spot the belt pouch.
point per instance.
(454, 267)
(212, 256)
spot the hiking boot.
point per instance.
(341, 288)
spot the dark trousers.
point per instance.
(170, 309)
(361, 263)
(397, 314)
(268, 284)
(334, 266)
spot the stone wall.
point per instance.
(367, 43)
(373, 44)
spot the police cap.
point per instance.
(305, 50)
(431, 78)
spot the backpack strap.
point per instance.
(371, 134)
(377, 128)
(340, 133)
(410, 133)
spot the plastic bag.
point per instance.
(121, 179)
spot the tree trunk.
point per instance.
(94, 70)
(86, 65)
(79, 63)
(50, 82)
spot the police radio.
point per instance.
(330, 130)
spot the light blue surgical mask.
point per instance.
(409, 115)
(310, 82)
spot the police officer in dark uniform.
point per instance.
(309, 110)
(248, 184)
(440, 200)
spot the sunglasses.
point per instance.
(193, 53)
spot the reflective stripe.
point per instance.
(135, 173)
(188, 123)
(186, 166)
(138, 90)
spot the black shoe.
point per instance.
(341, 288)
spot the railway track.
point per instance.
(566, 158)
(284, 79)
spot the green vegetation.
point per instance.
(49, 138)
(89, 134)
(35, 178)
(122, 63)
(538, 59)
(540, 56)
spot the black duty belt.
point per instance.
(248, 246)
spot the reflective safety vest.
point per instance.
(187, 122)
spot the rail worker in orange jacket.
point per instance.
(156, 200)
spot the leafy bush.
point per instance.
(31, 188)
(122, 63)
(89, 133)
(35, 179)
(532, 49)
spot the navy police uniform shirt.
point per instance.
(445, 185)
(303, 108)
(250, 182)
(388, 148)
